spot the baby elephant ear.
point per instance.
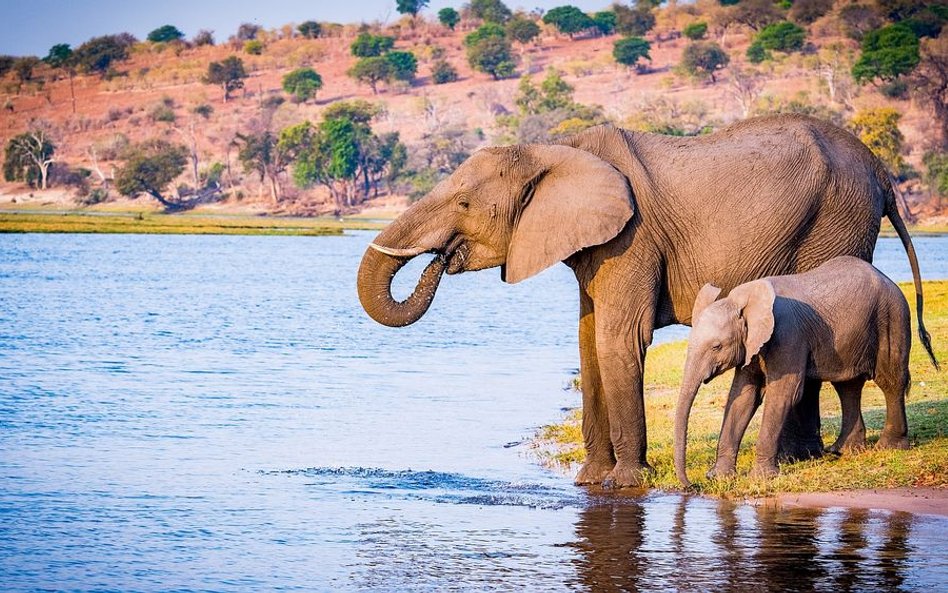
(755, 300)
(707, 295)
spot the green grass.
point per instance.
(916, 230)
(925, 464)
(186, 224)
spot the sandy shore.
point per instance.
(920, 501)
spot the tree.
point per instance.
(149, 168)
(403, 64)
(490, 11)
(887, 53)
(704, 58)
(879, 130)
(23, 68)
(493, 56)
(568, 19)
(521, 29)
(367, 45)
(783, 36)
(61, 57)
(412, 7)
(629, 50)
(807, 11)
(371, 71)
(202, 38)
(605, 22)
(165, 34)
(483, 32)
(633, 22)
(100, 53)
(757, 14)
(443, 72)
(29, 157)
(695, 31)
(745, 87)
(229, 73)
(310, 29)
(302, 83)
(858, 19)
(247, 32)
(261, 153)
(448, 17)
(930, 82)
(6, 64)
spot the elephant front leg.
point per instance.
(783, 392)
(600, 459)
(621, 356)
(743, 400)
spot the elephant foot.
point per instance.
(801, 449)
(854, 443)
(722, 471)
(892, 442)
(594, 472)
(627, 475)
(764, 470)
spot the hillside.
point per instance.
(157, 77)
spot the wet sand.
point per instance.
(920, 501)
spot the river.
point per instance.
(207, 413)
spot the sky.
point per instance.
(31, 27)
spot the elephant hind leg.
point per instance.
(800, 438)
(894, 386)
(852, 430)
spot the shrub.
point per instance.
(757, 53)
(783, 36)
(895, 89)
(100, 53)
(695, 31)
(490, 11)
(485, 31)
(204, 110)
(253, 47)
(229, 73)
(404, 65)
(807, 11)
(568, 19)
(371, 71)
(203, 37)
(521, 29)
(247, 32)
(162, 113)
(879, 130)
(443, 72)
(936, 172)
(634, 22)
(605, 22)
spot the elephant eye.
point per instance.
(464, 203)
(716, 346)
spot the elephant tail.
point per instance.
(892, 213)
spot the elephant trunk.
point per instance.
(375, 288)
(686, 398)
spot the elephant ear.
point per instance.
(571, 199)
(707, 295)
(755, 301)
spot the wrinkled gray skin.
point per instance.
(644, 221)
(843, 322)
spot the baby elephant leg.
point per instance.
(852, 430)
(742, 402)
(800, 438)
(782, 394)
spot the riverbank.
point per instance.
(187, 224)
(925, 465)
(919, 501)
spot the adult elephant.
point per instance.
(644, 221)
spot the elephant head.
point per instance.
(522, 207)
(724, 334)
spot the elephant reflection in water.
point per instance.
(742, 549)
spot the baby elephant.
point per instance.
(843, 322)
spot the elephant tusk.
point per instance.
(398, 252)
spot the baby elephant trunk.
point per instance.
(686, 398)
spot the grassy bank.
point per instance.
(925, 464)
(182, 224)
(924, 229)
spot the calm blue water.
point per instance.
(218, 414)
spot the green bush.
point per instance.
(253, 47)
(443, 72)
(302, 83)
(783, 36)
(165, 34)
(404, 65)
(887, 53)
(695, 31)
(757, 53)
(367, 45)
(448, 17)
(492, 55)
(630, 50)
